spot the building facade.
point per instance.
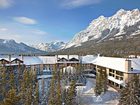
(116, 71)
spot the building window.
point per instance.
(111, 74)
(110, 70)
(119, 73)
(121, 78)
(117, 77)
(117, 85)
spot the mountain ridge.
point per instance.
(11, 46)
(50, 47)
(106, 28)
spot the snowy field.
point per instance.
(86, 95)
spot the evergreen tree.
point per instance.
(101, 82)
(15, 91)
(70, 94)
(29, 89)
(12, 98)
(52, 89)
(3, 82)
(12, 80)
(130, 94)
(36, 95)
(98, 88)
(52, 95)
(58, 92)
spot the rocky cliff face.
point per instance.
(50, 47)
(122, 24)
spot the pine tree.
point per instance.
(3, 82)
(130, 94)
(101, 82)
(58, 92)
(98, 88)
(12, 80)
(52, 97)
(12, 98)
(36, 95)
(29, 89)
(52, 89)
(70, 94)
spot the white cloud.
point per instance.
(11, 36)
(39, 32)
(25, 20)
(6, 3)
(22, 34)
(70, 4)
(3, 29)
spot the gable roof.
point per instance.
(62, 59)
(4, 60)
(16, 59)
(73, 59)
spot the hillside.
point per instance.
(117, 35)
(12, 47)
(122, 24)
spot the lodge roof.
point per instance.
(73, 59)
(4, 60)
(16, 59)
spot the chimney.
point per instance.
(56, 58)
(127, 65)
(22, 57)
(68, 57)
(9, 58)
(80, 58)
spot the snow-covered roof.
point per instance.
(16, 58)
(63, 56)
(88, 59)
(110, 62)
(117, 63)
(48, 59)
(68, 56)
(32, 60)
(73, 56)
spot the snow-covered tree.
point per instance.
(130, 94)
(71, 94)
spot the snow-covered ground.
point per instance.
(86, 95)
(44, 84)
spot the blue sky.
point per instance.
(35, 21)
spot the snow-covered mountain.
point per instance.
(50, 47)
(123, 23)
(11, 46)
